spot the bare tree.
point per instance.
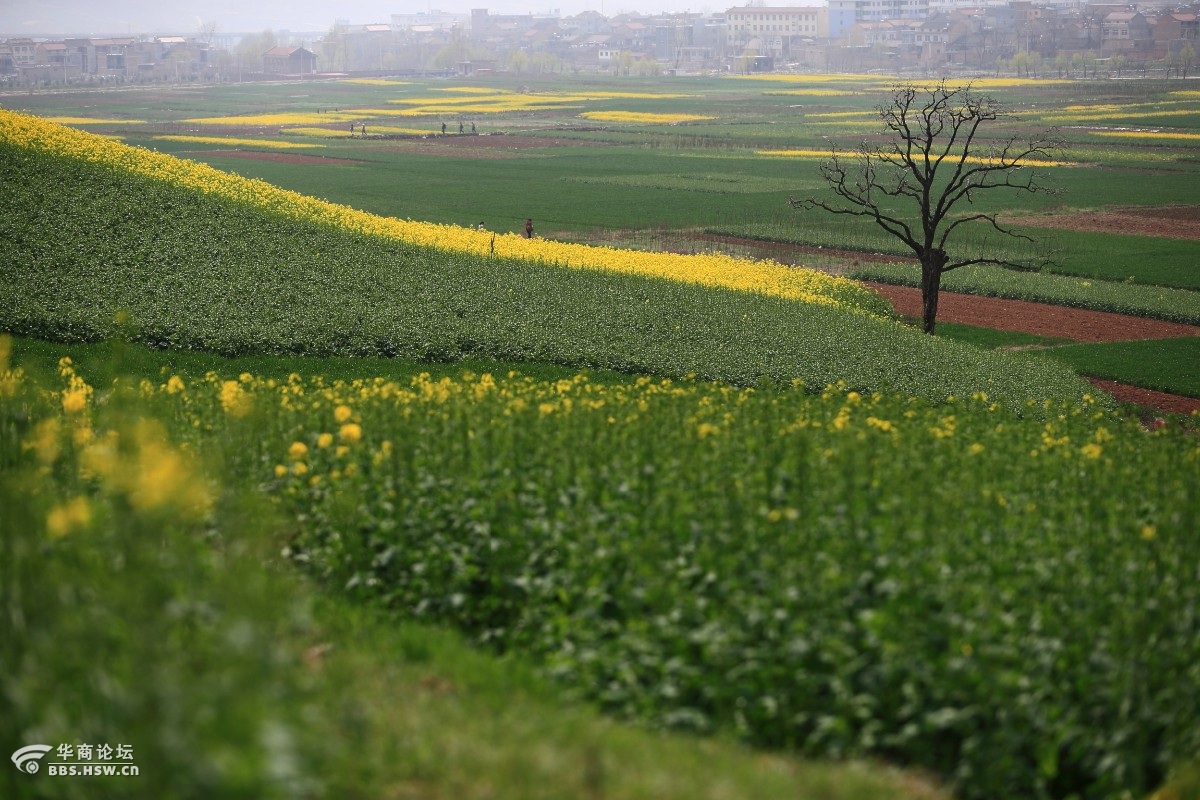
(932, 164)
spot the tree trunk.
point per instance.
(931, 285)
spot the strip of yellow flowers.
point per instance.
(642, 116)
(853, 154)
(717, 270)
(236, 142)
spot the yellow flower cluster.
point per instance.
(489, 102)
(374, 82)
(642, 117)
(812, 93)
(865, 115)
(497, 103)
(133, 460)
(10, 379)
(1102, 113)
(968, 159)
(328, 132)
(793, 153)
(278, 119)
(1148, 135)
(66, 518)
(762, 277)
(235, 400)
(93, 121)
(232, 141)
(850, 79)
(877, 82)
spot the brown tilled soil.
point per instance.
(1054, 321)
(1040, 319)
(1171, 222)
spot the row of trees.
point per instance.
(1089, 64)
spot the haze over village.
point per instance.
(55, 42)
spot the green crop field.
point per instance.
(1167, 365)
(312, 489)
(540, 155)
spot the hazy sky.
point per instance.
(62, 17)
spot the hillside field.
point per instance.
(312, 489)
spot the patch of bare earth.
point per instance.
(1042, 319)
(1169, 222)
(1148, 398)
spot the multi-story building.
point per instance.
(880, 10)
(774, 33)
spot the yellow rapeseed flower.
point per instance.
(297, 451)
(45, 441)
(350, 432)
(324, 440)
(342, 413)
(10, 381)
(162, 476)
(236, 401)
(73, 402)
(642, 117)
(68, 517)
(76, 396)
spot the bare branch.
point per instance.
(934, 162)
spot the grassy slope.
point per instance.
(197, 272)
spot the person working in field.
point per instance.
(529, 229)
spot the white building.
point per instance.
(744, 24)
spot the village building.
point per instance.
(843, 35)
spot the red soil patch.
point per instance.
(1148, 398)
(284, 158)
(1040, 319)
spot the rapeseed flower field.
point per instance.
(921, 566)
(762, 277)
